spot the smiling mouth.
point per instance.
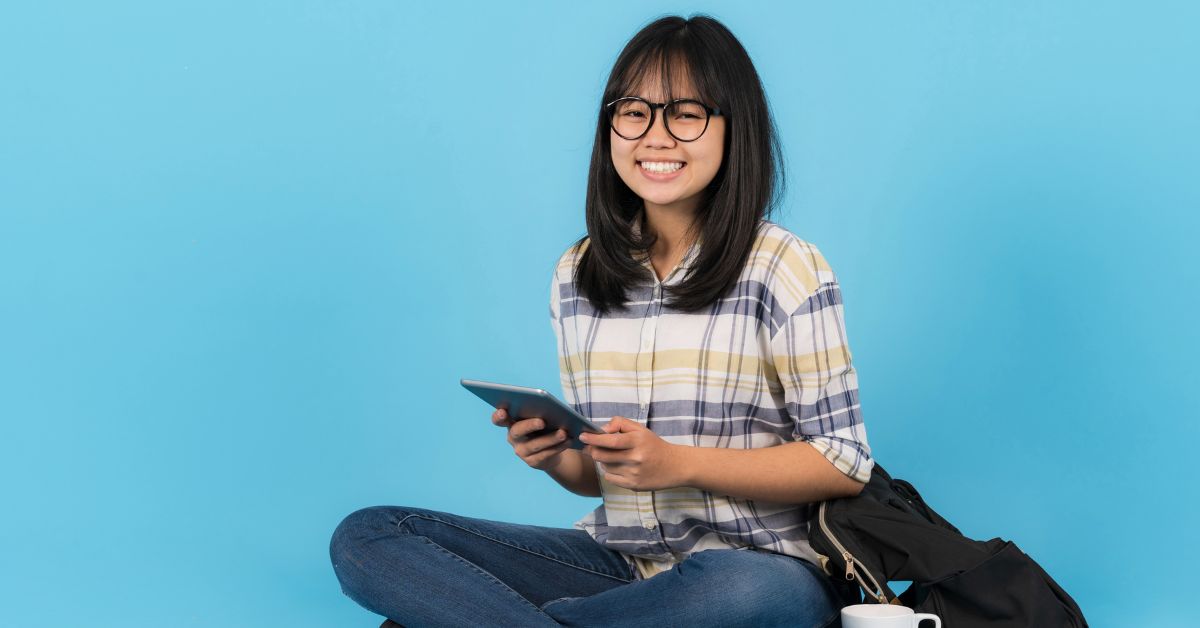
(662, 167)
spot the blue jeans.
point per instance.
(422, 567)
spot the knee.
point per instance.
(361, 527)
(355, 526)
(759, 588)
(349, 534)
(712, 570)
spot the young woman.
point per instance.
(710, 344)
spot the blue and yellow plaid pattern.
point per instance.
(766, 364)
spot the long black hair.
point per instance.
(745, 190)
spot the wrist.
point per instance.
(684, 462)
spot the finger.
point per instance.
(554, 439)
(500, 417)
(539, 457)
(618, 480)
(610, 441)
(544, 443)
(622, 425)
(603, 455)
(524, 427)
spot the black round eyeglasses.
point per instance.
(686, 119)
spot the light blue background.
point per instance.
(247, 249)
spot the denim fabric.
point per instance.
(421, 567)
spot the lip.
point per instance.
(654, 176)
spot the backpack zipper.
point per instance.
(852, 572)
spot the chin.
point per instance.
(662, 201)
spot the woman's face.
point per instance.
(701, 158)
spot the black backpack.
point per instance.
(887, 532)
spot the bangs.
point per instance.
(678, 69)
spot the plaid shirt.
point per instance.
(767, 364)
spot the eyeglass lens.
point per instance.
(685, 119)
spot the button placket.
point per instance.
(645, 376)
(646, 498)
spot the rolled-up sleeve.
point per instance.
(555, 324)
(812, 357)
(560, 341)
(554, 300)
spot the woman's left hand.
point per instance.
(632, 456)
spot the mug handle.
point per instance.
(917, 617)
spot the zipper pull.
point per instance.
(849, 565)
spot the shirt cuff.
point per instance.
(848, 456)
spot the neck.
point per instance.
(671, 225)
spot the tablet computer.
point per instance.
(524, 403)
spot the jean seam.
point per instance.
(512, 545)
(557, 599)
(479, 569)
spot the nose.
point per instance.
(657, 134)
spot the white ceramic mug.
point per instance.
(884, 616)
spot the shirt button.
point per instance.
(650, 525)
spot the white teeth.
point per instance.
(662, 166)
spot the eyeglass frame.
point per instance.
(654, 107)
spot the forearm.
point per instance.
(791, 473)
(576, 472)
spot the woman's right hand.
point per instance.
(541, 452)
